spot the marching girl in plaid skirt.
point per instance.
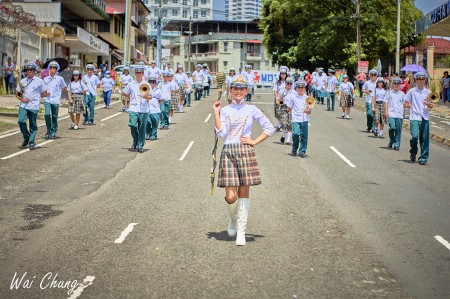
(76, 90)
(238, 168)
(379, 107)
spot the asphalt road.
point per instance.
(134, 225)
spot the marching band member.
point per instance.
(55, 85)
(181, 80)
(285, 115)
(108, 87)
(206, 85)
(297, 106)
(250, 77)
(313, 84)
(320, 82)
(346, 94)
(238, 167)
(139, 107)
(331, 89)
(92, 82)
(368, 90)
(154, 110)
(153, 71)
(190, 84)
(379, 107)
(230, 78)
(278, 88)
(199, 79)
(419, 117)
(75, 91)
(32, 89)
(395, 99)
(124, 80)
(166, 89)
(175, 98)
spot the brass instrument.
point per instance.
(20, 94)
(434, 96)
(220, 77)
(310, 102)
(144, 89)
(281, 102)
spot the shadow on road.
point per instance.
(223, 236)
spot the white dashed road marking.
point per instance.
(342, 157)
(26, 150)
(186, 151)
(125, 233)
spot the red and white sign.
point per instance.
(363, 66)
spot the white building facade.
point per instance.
(242, 10)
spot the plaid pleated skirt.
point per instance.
(379, 116)
(77, 106)
(238, 166)
(346, 100)
(175, 101)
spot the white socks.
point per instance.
(180, 107)
(241, 223)
(283, 133)
(170, 119)
(289, 137)
(232, 210)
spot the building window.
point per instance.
(165, 1)
(225, 46)
(225, 63)
(175, 12)
(203, 2)
(195, 15)
(103, 26)
(250, 48)
(175, 1)
(185, 2)
(203, 13)
(156, 2)
(164, 13)
(195, 3)
(185, 13)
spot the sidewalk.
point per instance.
(440, 111)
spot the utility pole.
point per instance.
(397, 51)
(189, 44)
(159, 52)
(126, 46)
(358, 33)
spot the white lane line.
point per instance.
(81, 286)
(186, 151)
(125, 233)
(443, 241)
(445, 122)
(207, 118)
(434, 126)
(111, 116)
(26, 150)
(342, 157)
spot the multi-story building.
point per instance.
(221, 45)
(243, 10)
(181, 10)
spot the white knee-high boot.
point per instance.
(233, 211)
(242, 216)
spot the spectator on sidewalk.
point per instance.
(103, 69)
(108, 87)
(445, 83)
(8, 75)
(361, 78)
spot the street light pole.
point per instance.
(126, 46)
(397, 53)
(358, 33)
(159, 51)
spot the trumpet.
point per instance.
(310, 101)
(281, 102)
(434, 97)
(19, 94)
(144, 89)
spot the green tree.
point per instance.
(304, 33)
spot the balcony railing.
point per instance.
(217, 37)
(254, 56)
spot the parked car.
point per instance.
(119, 71)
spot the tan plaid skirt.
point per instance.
(238, 166)
(78, 104)
(379, 116)
(286, 121)
(346, 100)
(175, 101)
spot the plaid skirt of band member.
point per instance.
(182, 93)
(77, 106)
(238, 166)
(379, 116)
(286, 121)
(346, 100)
(175, 101)
(278, 112)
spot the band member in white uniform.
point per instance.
(346, 94)
(76, 90)
(278, 88)
(368, 90)
(153, 71)
(250, 77)
(230, 78)
(238, 167)
(331, 90)
(55, 85)
(395, 99)
(92, 83)
(285, 115)
(199, 79)
(379, 107)
(181, 79)
(124, 80)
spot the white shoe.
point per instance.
(241, 223)
(347, 117)
(72, 125)
(170, 120)
(75, 127)
(232, 210)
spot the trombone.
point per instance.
(144, 89)
(310, 101)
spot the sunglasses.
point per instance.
(76, 75)
(288, 83)
(152, 82)
(138, 72)
(396, 83)
(373, 75)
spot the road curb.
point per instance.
(440, 139)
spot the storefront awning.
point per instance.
(113, 11)
(253, 41)
(118, 54)
(86, 43)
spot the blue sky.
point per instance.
(428, 5)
